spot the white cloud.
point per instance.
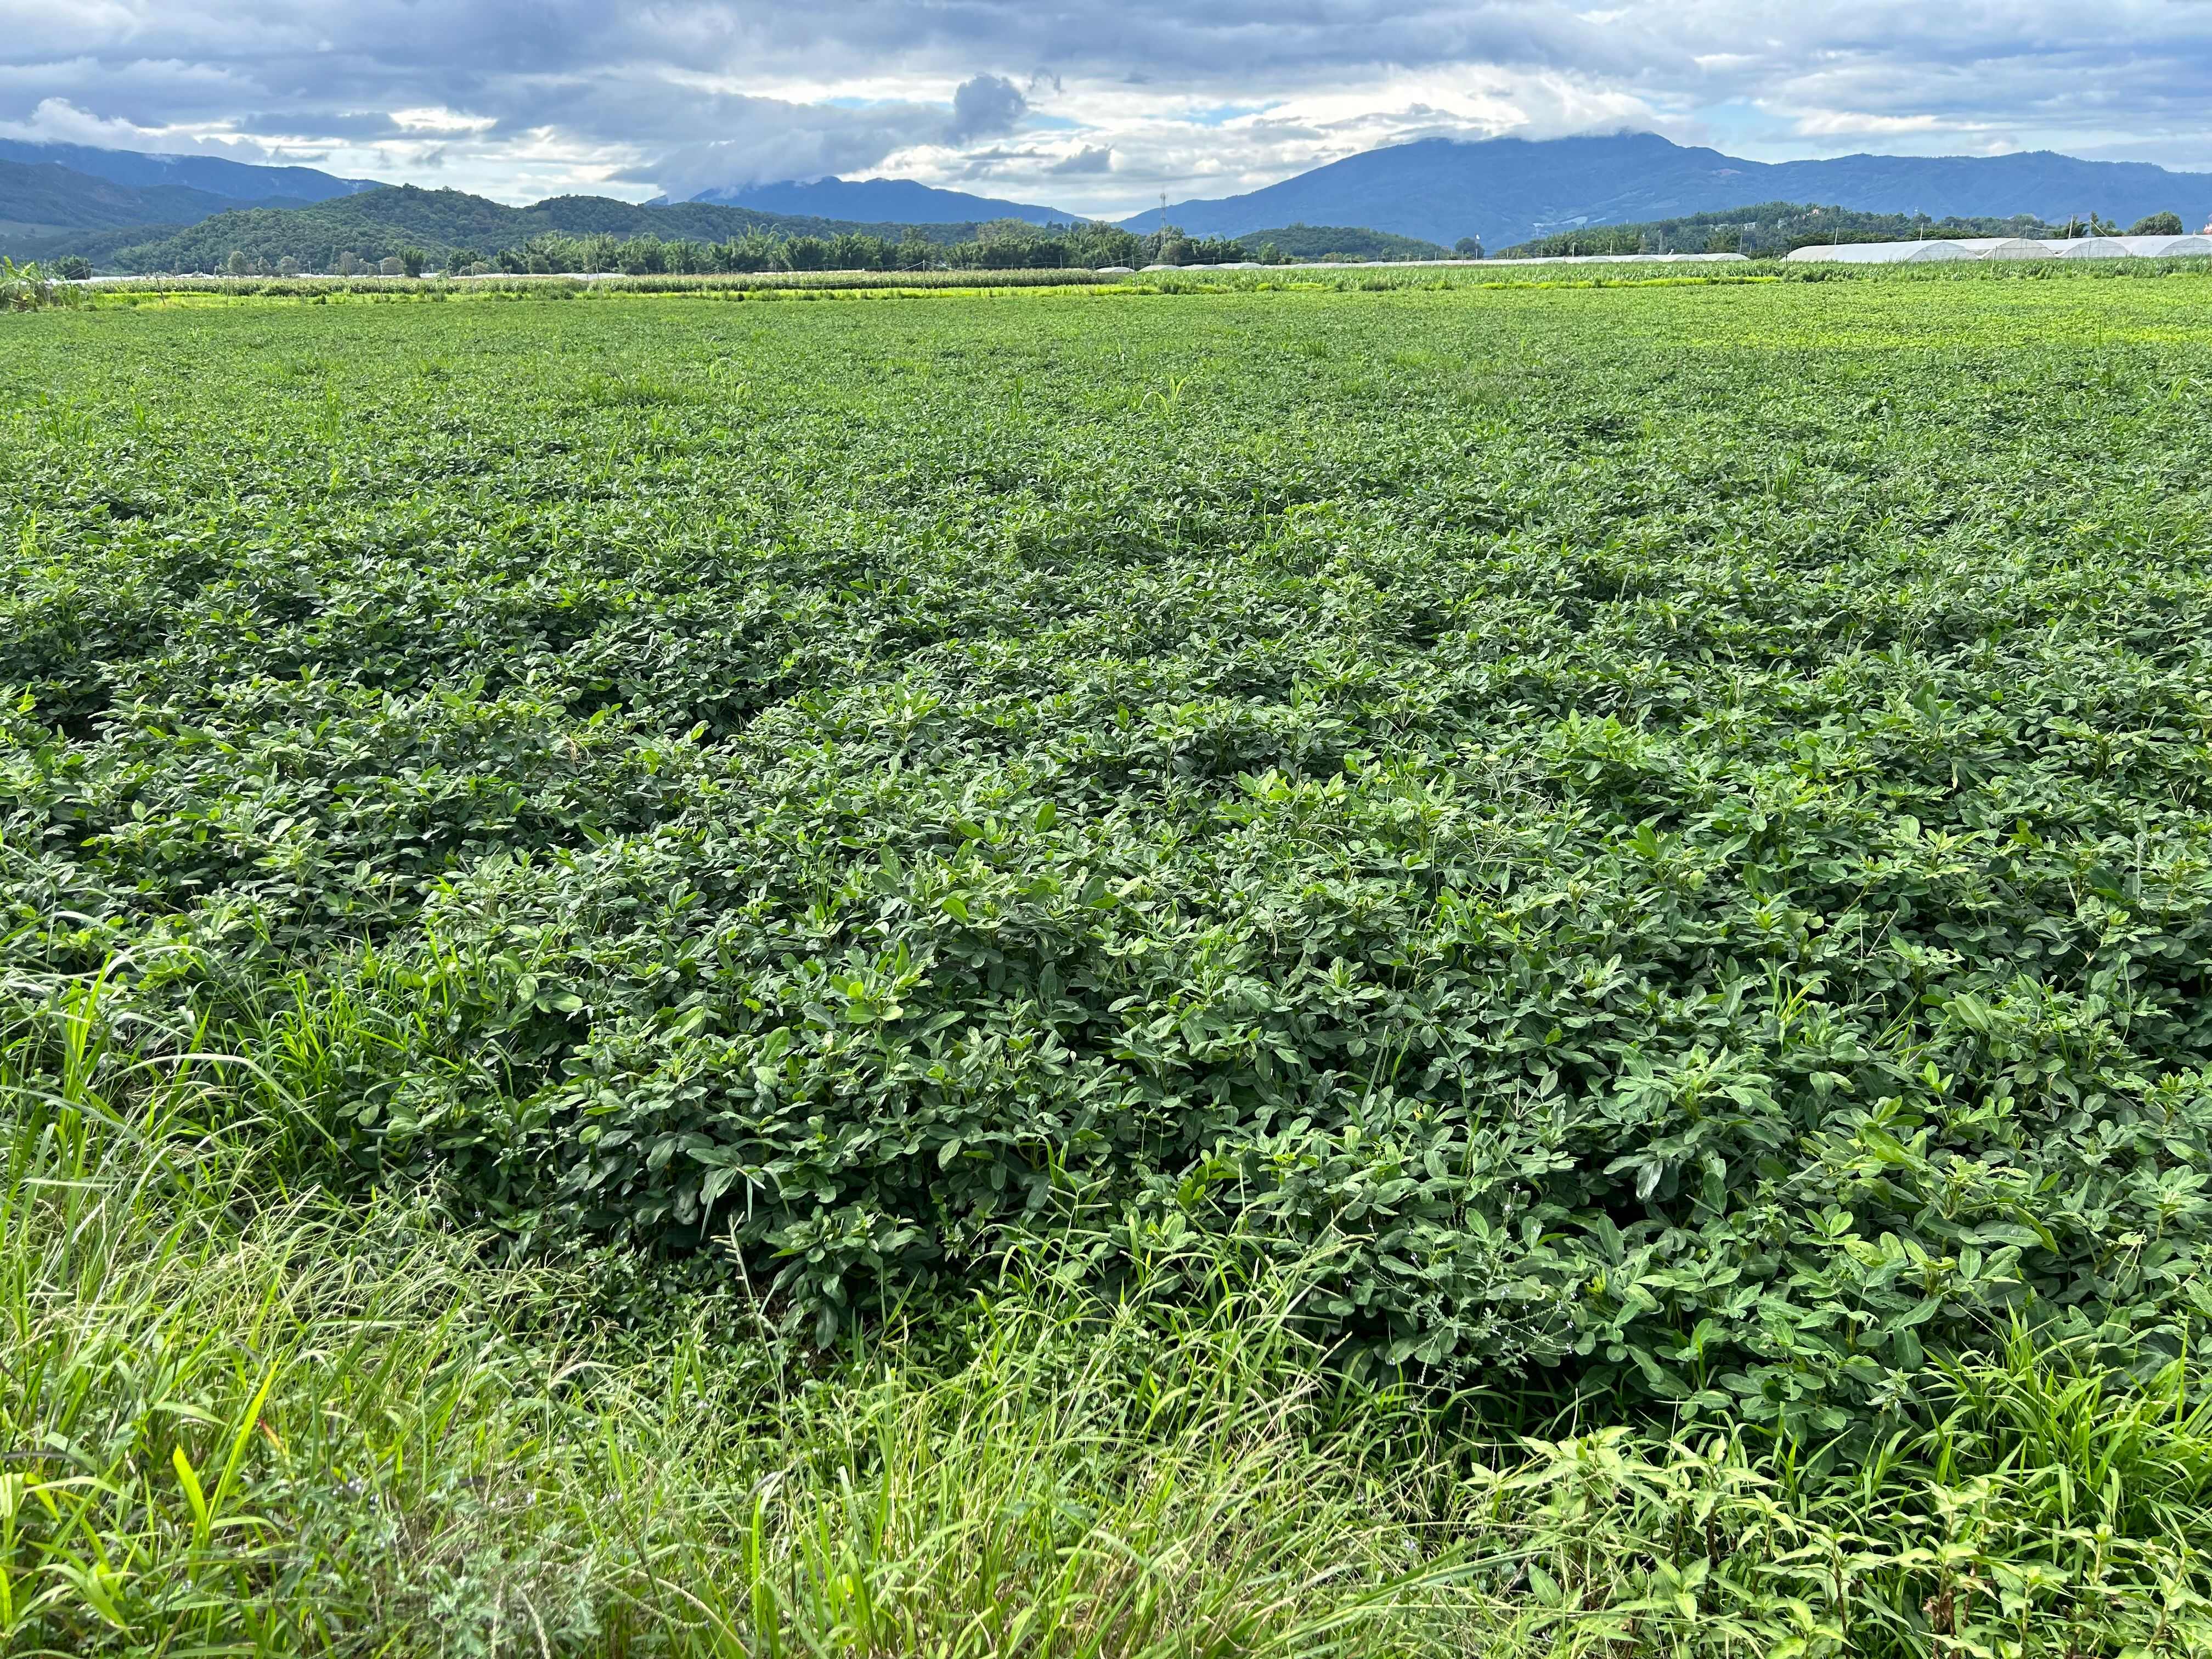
(58, 121)
(433, 119)
(525, 97)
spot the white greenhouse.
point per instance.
(2005, 247)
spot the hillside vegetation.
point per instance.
(386, 223)
(237, 181)
(53, 198)
(450, 231)
(1437, 969)
(1341, 241)
(47, 209)
(1773, 227)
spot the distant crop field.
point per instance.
(1018, 945)
(1662, 835)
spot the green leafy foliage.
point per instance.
(30, 287)
(1664, 828)
(254, 1419)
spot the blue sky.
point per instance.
(1096, 108)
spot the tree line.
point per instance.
(1005, 244)
(1773, 228)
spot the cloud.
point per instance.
(1826, 122)
(983, 107)
(771, 139)
(1092, 159)
(768, 139)
(58, 121)
(534, 96)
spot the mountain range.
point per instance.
(887, 200)
(73, 199)
(48, 197)
(216, 175)
(58, 199)
(1510, 189)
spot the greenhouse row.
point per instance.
(2007, 248)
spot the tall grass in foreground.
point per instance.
(240, 1417)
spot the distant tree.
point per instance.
(391, 266)
(1167, 246)
(641, 256)
(1269, 254)
(2156, 224)
(287, 266)
(1215, 251)
(238, 264)
(1467, 248)
(754, 251)
(1096, 244)
(1725, 238)
(854, 251)
(806, 253)
(72, 267)
(412, 259)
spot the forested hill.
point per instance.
(46, 208)
(1772, 227)
(1510, 190)
(1342, 242)
(49, 196)
(382, 223)
(235, 181)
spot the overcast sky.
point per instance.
(1096, 107)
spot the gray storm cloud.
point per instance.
(1091, 160)
(720, 92)
(984, 108)
(766, 139)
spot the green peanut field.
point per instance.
(1387, 967)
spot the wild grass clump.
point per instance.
(248, 1418)
(243, 1417)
